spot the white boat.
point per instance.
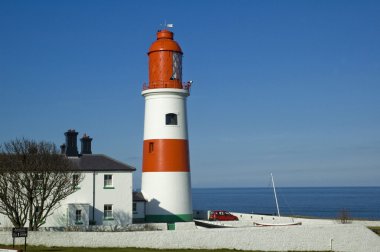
(212, 224)
(258, 224)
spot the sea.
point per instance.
(321, 202)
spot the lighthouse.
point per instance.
(166, 166)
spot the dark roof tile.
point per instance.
(138, 196)
(99, 162)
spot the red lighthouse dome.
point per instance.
(165, 62)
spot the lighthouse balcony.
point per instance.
(163, 84)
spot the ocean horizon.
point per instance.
(360, 202)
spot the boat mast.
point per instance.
(275, 196)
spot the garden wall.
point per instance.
(339, 237)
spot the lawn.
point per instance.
(375, 229)
(67, 249)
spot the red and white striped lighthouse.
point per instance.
(166, 166)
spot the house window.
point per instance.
(76, 181)
(151, 147)
(78, 216)
(134, 207)
(171, 119)
(37, 211)
(108, 181)
(108, 212)
(38, 215)
(39, 181)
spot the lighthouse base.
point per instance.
(169, 218)
(168, 196)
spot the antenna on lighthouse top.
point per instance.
(166, 25)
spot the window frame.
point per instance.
(171, 119)
(75, 181)
(108, 212)
(80, 219)
(39, 181)
(37, 210)
(176, 66)
(106, 184)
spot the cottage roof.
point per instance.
(99, 162)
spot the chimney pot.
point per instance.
(86, 144)
(71, 143)
(63, 148)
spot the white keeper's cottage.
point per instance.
(104, 197)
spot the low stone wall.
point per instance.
(339, 237)
(110, 228)
(9, 250)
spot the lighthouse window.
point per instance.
(151, 147)
(177, 66)
(171, 119)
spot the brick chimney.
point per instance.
(86, 145)
(71, 143)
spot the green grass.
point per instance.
(375, 229)
(67, 249)
(70, 249)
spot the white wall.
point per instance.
(83, 195)
(120, 197)
(5, 222)
(158, 103)
(345, 237)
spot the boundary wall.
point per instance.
(335, 237)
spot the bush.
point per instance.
(344, 216)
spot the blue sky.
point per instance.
(288, 87)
